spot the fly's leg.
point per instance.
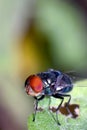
(68, 100)
(49, 103)
(35, 109)
(62, 99)
(36, 105)
(67, 104)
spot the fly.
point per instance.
(50, 83)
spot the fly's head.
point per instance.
(33, 85)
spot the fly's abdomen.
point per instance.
(67, 89)
(66, 84)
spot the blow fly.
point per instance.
(50, 83)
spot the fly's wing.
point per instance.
(76, 76)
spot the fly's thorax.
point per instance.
(47, 87)
(47, 91)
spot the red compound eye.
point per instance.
(36, 83)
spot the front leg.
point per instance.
(36, 105)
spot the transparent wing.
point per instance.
(76, 76)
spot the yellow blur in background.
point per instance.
(35, 36)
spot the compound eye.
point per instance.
(36, 83)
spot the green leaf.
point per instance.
(43, 121)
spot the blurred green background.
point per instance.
(36, 35)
